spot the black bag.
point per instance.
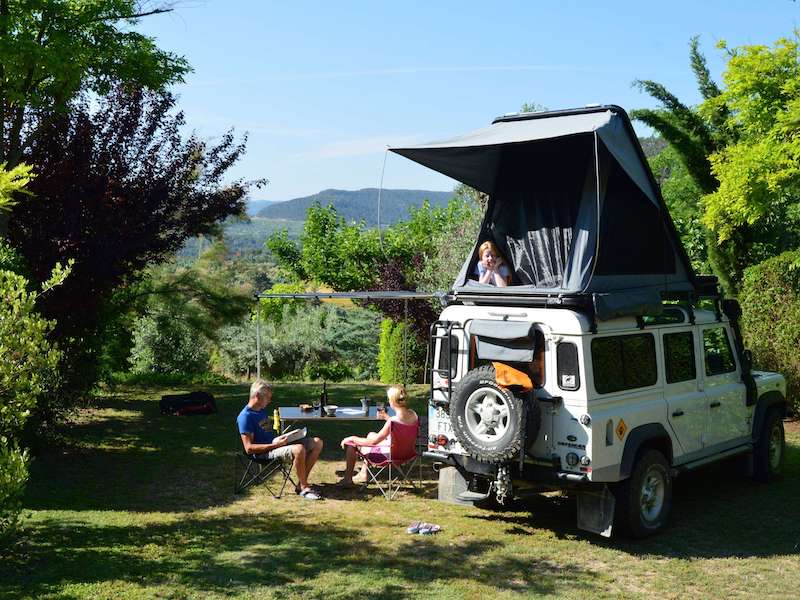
(193, 403)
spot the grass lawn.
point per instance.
(140, 505)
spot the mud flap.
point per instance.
(596, 511)
(451, 485)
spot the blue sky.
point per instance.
(323, 87)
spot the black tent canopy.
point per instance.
(573, 207)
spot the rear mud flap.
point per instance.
(596, 511)
(452, 485)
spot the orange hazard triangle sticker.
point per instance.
(621, 429)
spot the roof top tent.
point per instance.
(573, 207)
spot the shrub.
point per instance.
(27, 367)
(398, 353)
(770, 299)
(163, 342)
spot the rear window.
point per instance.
(624, 362)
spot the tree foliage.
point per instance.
(759, 173)
(180, 306)
(770, 300)
(321, 342)
(350, 256)
(53, 50)
(28, 367)
(117, 188)
(682, 196)
(739, 147)
(12, 183)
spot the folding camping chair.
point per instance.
(397, 464)
(255, 469)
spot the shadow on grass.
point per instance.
(233, 556)
(128, 456)
(716, 513)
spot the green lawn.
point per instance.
(139, 505)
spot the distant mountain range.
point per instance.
(358, 204)
(253, 206)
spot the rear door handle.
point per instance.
(715, 404)
(677, 413)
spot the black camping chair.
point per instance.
(255, 469)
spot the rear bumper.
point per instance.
(468, 466)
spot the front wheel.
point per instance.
(644, 500)
(770, 449)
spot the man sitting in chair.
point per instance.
(259, 438)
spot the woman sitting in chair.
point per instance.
(377, 445)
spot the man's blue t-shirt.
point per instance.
(255, 422)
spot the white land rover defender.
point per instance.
(630, 368)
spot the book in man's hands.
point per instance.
(295, 434)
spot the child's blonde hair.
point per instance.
(490, 245)
(397, 394)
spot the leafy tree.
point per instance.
(12, 183)
(759, 172)
(352, 257)
(53, 50)
(165, 343)
(740, 148)
(323, 341)
(453, 242)
(117, 188)
(186, 306)
(682, 197)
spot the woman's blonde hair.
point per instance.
(397, 394)
(490, 245)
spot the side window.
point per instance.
(624, 362)
(569, 377)
(679, 356)
(717, 350)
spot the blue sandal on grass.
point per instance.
(429, 529)
(414, 527)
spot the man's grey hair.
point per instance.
(259, 388)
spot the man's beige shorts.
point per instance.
(284, 451)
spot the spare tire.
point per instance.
(488, 419)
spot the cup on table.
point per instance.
(381, 406)
(315, 403)
(365, 404)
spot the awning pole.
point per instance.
(258, 340)
(405, 343)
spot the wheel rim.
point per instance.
(775, 446)
(487, 414)
(651, 497)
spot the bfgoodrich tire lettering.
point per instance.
(487, 418)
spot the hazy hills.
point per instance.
(358, 204)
